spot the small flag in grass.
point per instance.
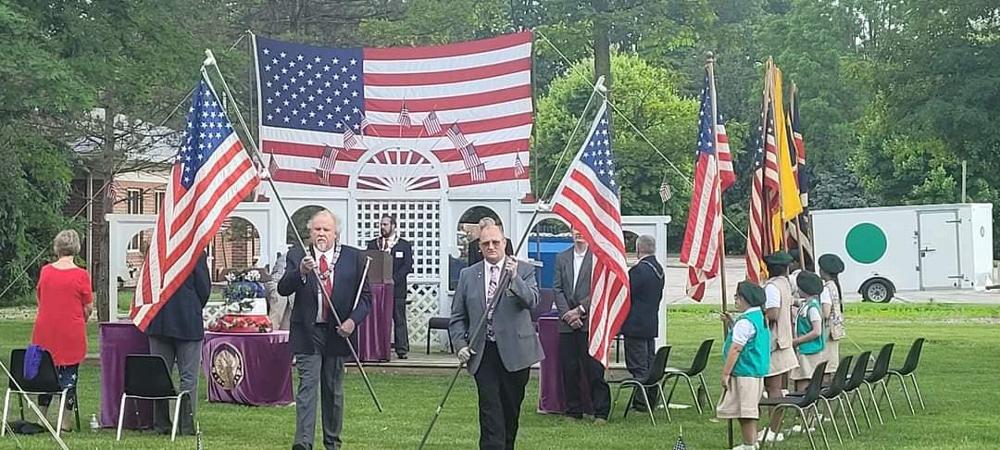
(680, 441)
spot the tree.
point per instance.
(648, 98)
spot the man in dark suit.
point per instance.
(571, 284)
(401, 252)
(642, 324)
(475, 253)
(319, 345)
(500, 358)
(176, 334)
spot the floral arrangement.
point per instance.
(242, 289)
(235, 323)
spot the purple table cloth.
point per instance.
(118, 340)
(551, 394)
(248, 368)
(375, 332)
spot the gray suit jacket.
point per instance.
(516, 338)
(568, 294)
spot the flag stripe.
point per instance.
(460, 49)
(449, 76)
(472, 100)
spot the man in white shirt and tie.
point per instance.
(571, 284)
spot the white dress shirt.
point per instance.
(331, 256)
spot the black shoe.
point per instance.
(402, 356)
(300, 447)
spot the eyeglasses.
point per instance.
(485, 244)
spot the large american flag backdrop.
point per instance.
(700, 249)
(588, 198)
(402, 107)
(211, 175)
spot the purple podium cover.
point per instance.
(375, 332)
(551, 394)
(118, 340)
(248, 368)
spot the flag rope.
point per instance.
(640, 133)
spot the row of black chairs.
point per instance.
(844, 390)
(660, 374)
(146, 378)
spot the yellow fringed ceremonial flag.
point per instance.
(791, 203)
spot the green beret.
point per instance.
(751, 293)
(831, 264)
(809, 283)
(779, 258)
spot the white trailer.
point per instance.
(908, 248)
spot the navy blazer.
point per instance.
(346, 277)
(646, 282)
(180, 317)
(402, 264)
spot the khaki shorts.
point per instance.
(741, 399)
(782, 361)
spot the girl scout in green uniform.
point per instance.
(809, 340)
(746, 357)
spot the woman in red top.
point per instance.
(65, 301)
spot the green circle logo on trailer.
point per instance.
(866, 243)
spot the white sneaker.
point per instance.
(746, 447)
(798, 429)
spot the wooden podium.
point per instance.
(380, 269)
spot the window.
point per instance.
(134, 201)
(159, 197)
(135, 244)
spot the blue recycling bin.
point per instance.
(545, 249)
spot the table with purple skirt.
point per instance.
(551, 394)
(248, 368)
(375, 332)
(118, 340)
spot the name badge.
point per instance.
(399, 254)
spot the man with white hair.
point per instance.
(642, 325)
(325, 278)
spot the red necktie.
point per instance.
(327, 284)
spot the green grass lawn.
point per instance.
(958, 380)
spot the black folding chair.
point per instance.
(833, 391)
(656, 372)
(696, 369)
(801, 403)
(909, 371)
(853, 387)
(438, 323)
(46, 382)
(876, 378)
(147, 378)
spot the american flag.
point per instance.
(519, 170)
(478, 173)
(764, 197)
(211, 175)
(456, 136)
(310, 95)
(431, 124)
(404, 117)
(350, 139)
(700, 249)
(112, 191)
(470, 157)
(327, 163)
(588, 198)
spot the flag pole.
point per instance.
(255, 153)
(710, 65)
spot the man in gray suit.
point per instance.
(500, 358)
(574, 267)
